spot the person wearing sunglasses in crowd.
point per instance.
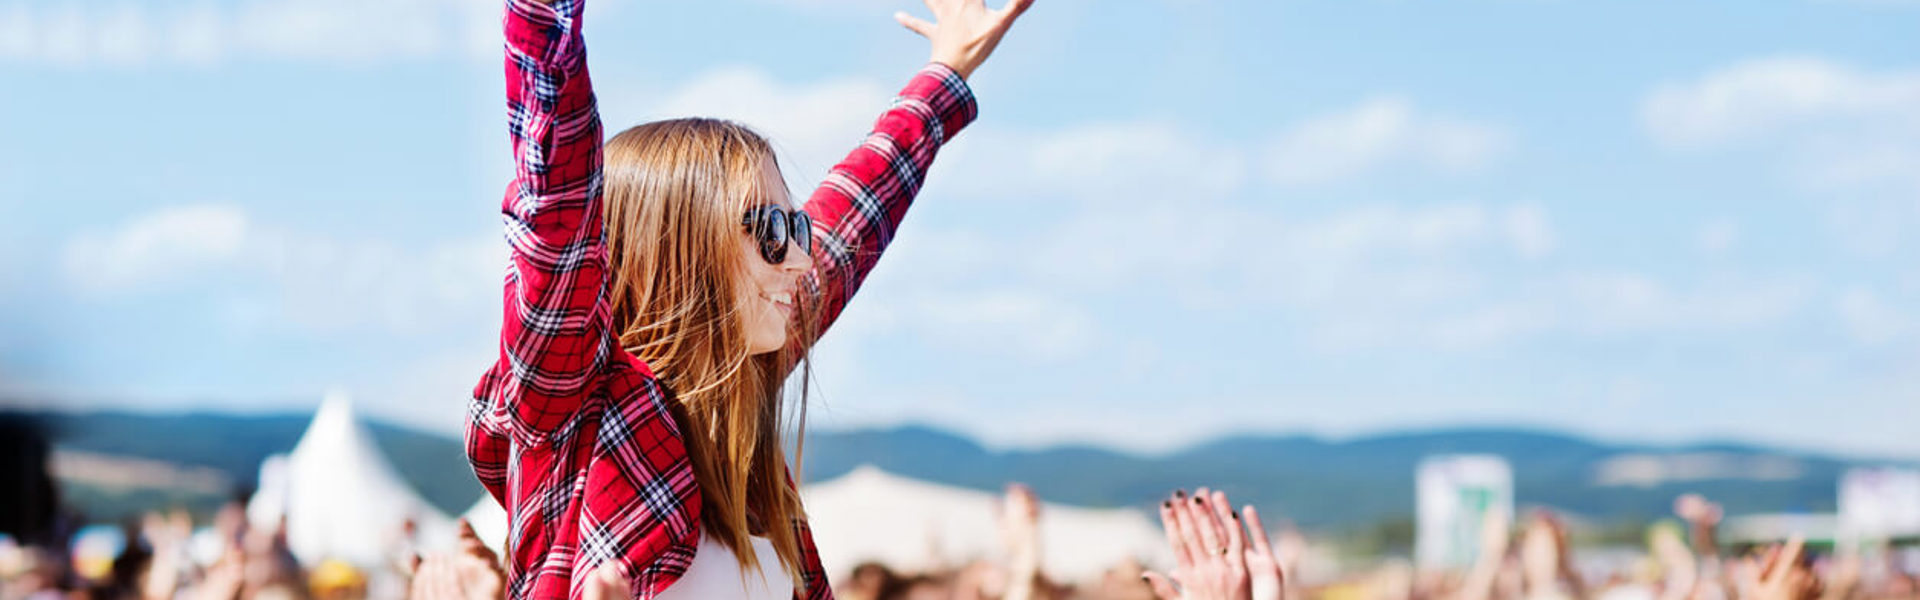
(662, 288)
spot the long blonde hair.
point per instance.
(674, 194)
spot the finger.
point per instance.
(1790, 558)
(1259, 531)
(1767, 561)
(1236, 540)
(1208, 527)
(1013, 9)
(1171, 525)
(914, 24)
(1161, 586)
(1024, 499)
(1205, 496)
(1189, 529)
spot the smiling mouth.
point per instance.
(781, 302)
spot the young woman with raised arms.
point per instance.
(662, 287)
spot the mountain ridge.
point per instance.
(1317, 481)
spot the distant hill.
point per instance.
(235, 444)
(1320, 482)
(1314, 481)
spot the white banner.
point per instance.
(1454, 494)
(1878, 504)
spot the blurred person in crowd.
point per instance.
(659, 298)
(30, 511)
(30, 507)
(1546, 562)
(865, 582)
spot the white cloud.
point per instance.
(1527, 227)
(1717, 237)
(312, 282)
(1385, 132)
(132, 32)
(811, 125)
(1360, 277)
(1868, 318)
(325, 284)
(169, 243)
(1849, 136)
(992, 321)
(1767, 95)
(1612, 302)
(1111, 164)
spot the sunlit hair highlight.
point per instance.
(674, 195)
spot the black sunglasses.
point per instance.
(774, 226)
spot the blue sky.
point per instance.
(1175, 218)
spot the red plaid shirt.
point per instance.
(568, 431)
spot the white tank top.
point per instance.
(716, 573)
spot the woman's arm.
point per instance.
(857, 209)
(553, 333)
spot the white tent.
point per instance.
(341, 498)
(908, 524)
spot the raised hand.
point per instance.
(1697, 510)
(1213, 560)
(1703, 518)
(1781, 575)
(964, 32)
(1020, 534)
(472, 573)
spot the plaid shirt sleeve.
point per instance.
(553, 335)
(857, 209)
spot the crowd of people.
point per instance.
(1220, 552)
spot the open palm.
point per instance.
(964, 32)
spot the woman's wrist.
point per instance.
(952, 64)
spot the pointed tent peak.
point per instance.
(343, 499)
(335, 427)
(335, 402)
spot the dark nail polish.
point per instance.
(1166, 504)
(1196, 499)
(1179, 493)
(1236, 515)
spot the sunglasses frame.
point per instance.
(774, 238)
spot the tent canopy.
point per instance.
(341, 498)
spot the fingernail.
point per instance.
(1196, 499)
(1166, 504)
(1144, 578)
(1179, 493)
(1236, 515)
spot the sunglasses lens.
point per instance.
(773, 235)
(803, 231)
